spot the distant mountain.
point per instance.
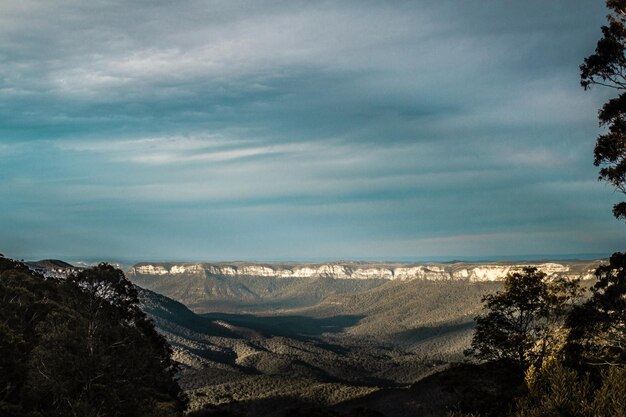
(53, 268)
(339, 335)
(240, 286)
(345, 352)
(301, 331)
(50, 264)
(473, 272)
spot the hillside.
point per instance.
(406, 305)
(265, 343)
(231, 360)
(238, 286)
(263, 365)
(80, 346)
(53, 268)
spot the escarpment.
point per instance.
(432, 272)
(245, 286)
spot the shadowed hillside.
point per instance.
(80, 346)
(262, 343)
(361, 343)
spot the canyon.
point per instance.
(339, 334)
(258, 339)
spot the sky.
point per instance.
(300, 130)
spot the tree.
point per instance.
(555, 391)
(80, 347)
(598, 327)
(607, 67)
(522, 322)
(124, 362)
(106, 284)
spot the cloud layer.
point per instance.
(299, 130)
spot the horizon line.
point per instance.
(400, 259)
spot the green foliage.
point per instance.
(599, 326)
(597, 329)
(554, 390)
(80, 347)
(557, 391)
(610, 399)
(521, 320)
(607, 67)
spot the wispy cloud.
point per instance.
(241, 128)
(183, 150)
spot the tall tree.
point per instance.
(80, 347)
(599, 326)
(607, 67)
(522, 321)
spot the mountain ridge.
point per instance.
(473, 272)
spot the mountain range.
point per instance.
(258, 339)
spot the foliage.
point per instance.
(68, 348)
(610, 398)
(607, 67)
(555, 391)
(522, 321)
(105, 284)
(599, 326)
(486, 389)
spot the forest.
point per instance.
(80, 347)
(84, 345)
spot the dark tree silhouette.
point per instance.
(607, 67)
(80, 347)
(599, 326)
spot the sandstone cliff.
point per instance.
(357, 270)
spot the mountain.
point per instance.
(53, 268)
(363, 270)
(245, 287)
(259, 339)
(267, 365)
(339, 336)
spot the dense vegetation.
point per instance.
(524, 322)
(572, 355)
(80, 347)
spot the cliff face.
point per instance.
(400, 272)
(341, 289)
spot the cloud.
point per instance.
(255, 124)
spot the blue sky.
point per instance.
(297, 130)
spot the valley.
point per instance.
(327, 335)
